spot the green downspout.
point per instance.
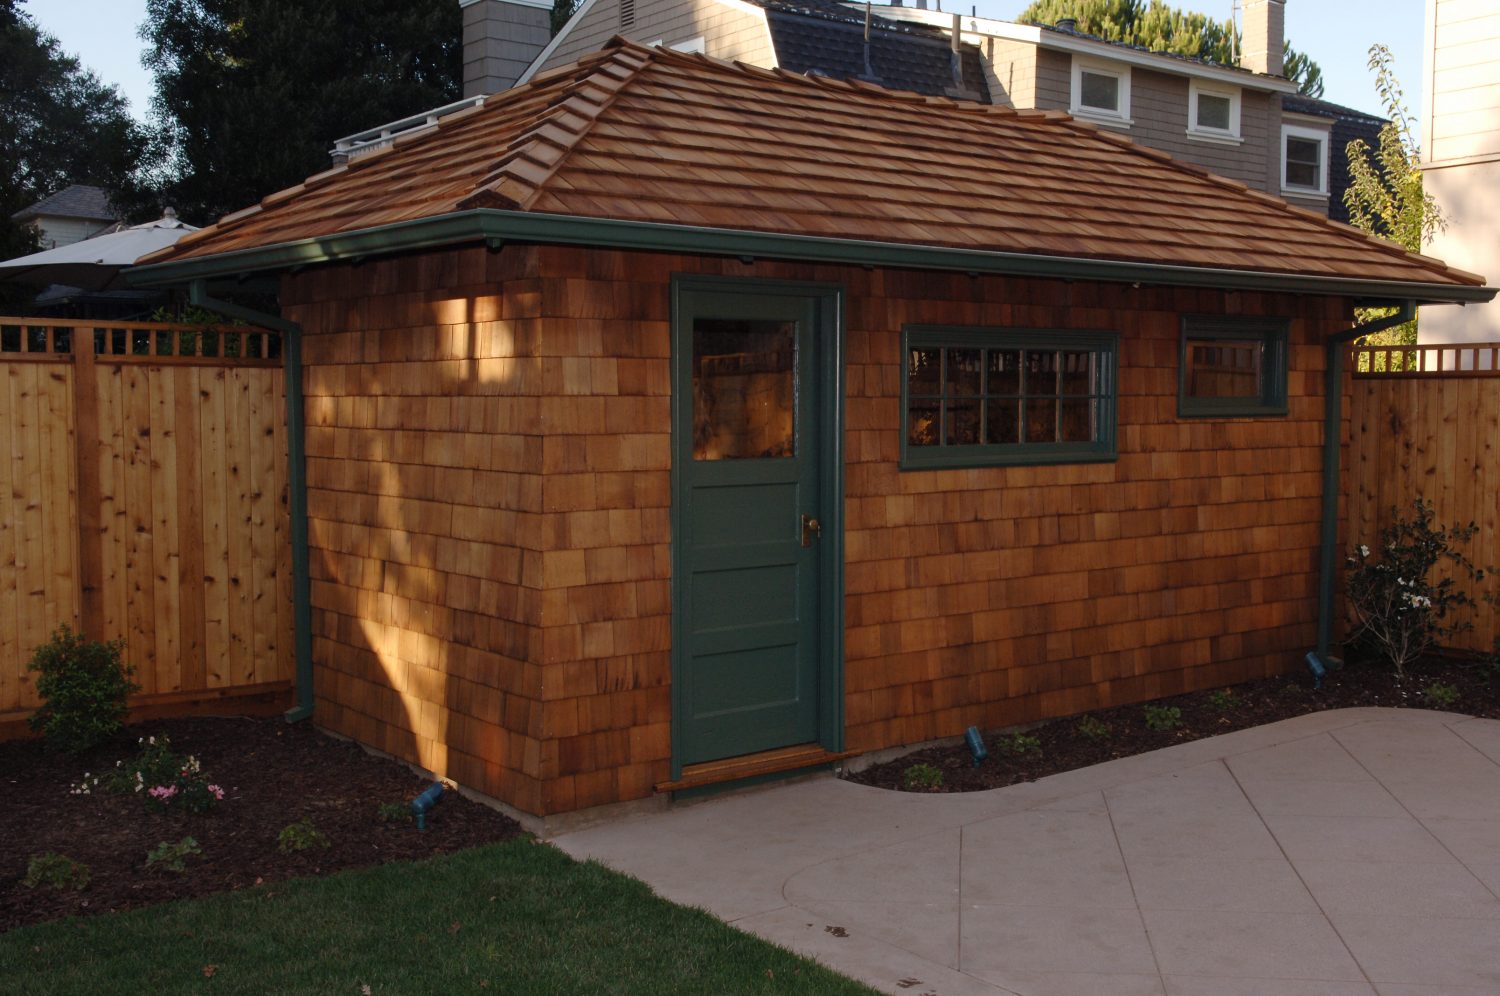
(296, 476)
(1332, 442)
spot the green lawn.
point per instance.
(517, 917)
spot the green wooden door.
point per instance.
(750, 518)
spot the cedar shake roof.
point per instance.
(650, 135)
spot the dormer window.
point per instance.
(1304, 160)
(1101, 91)
(1213, 113)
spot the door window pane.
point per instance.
(744, 389)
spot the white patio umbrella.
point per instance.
(95, 264)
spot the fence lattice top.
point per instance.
(1475, 359)
(55, 341)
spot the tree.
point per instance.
(1385, 196)
(562, 10)
(58, 125)
(1160, 28)
(250, 94)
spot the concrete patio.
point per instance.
(1355, 851)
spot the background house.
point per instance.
(70, 215)
(1461, 154)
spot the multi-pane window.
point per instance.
(1232, 367)
(977, 396)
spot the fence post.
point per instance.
(90, 496)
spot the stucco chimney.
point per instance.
(1264, 36)
(501, 38)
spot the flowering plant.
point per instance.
(1402, 609)
(163, 779)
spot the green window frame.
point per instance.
(1245, 358)
(987, 397)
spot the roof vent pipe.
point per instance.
(1068, 24)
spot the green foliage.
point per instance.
(171, 857)
(921, 778)
(1093, 728)
(1154, 25)
(1385, 196)
(251, 93)
(1163, 719)
(1221, 699)
(1018, 744)
(1441, 696)
(561, 11)
(395, 812)
(83, 686)
(56, 871)
(300, 836)
(1402, 609)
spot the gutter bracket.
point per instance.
(296, 434)
(1320, 660)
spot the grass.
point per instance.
(517, 917)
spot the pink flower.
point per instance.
(162, 792)
(218, 793)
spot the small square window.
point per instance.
(1099, 91)
(978, 397)
(1304, 159)
(1213, 111)
(1232, 367)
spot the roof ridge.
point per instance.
(539, 150)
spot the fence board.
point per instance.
(178, 447)
(1425, 423)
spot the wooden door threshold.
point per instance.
(770, 762)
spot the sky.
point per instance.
(1336, 33)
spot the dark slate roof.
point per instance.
(1348, 124)
(826, 38)
(76, 201)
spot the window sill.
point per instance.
(1302, 192)
(1101, 118)
(969, 461)
(1248, 410)
(1213, 138)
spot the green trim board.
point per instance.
(496, 227)
(1103, 395)
(1269, 333)
(738, 537)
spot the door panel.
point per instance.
(747, 451)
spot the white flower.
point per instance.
(1364, 551)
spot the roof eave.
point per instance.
(497, 227)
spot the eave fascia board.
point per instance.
(497, 227)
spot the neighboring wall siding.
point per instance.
(1010, 69)
(490, 492)
(1470, 197)
(729, 30)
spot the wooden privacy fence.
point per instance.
(143, 498)
(1425, 422)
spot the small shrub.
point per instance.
(1093, 728)
(1402, 611)
(1163, 718)
(172, 857)
(1019, 743)
(56, 871)
(921, 778)
(1221, 700)
(395, 812)
(165, 780)
(83, 686)
(300, 836)
(1440, 696)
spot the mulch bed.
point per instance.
(273, 775)
(1065, 744)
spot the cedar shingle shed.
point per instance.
(669, 420)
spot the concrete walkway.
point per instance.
(1355, 851)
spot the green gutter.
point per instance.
(296, 436)
(1333, 417)
(497, 227)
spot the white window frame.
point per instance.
(1319, 135)
(1229, 136)
(1121, 115)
